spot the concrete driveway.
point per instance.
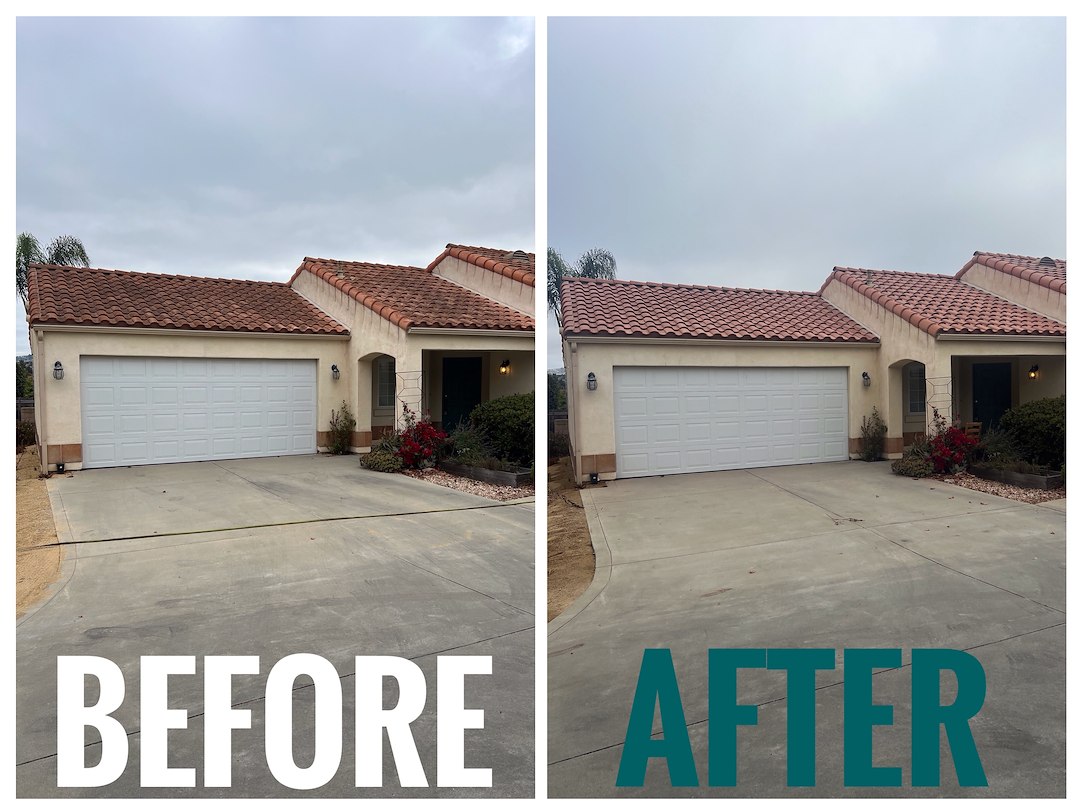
(833, 555)
(270, 557)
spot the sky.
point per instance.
(762, 152)
(236, 147)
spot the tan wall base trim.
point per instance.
(64, 453)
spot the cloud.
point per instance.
(761, 152)
(235, 147)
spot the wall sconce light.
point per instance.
(335, 371)
(504, 367)
(1033, 372)
(58, 370)
(866, 379)
(590, 381)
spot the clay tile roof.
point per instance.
(654, 310)
(940, 304)
(411, 297)
(1045, 271)
(517, 265)
(117, 298)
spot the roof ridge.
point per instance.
(143, 273)
(681, 286)
(363, 264)
(897, 272)
(471, 255)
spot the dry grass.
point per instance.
(37, 563)
(571, 560)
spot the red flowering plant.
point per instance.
(949, 446)
(420, 441)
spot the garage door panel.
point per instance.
(672, 419)
(152, 410)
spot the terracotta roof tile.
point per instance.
(940, 304)
(117, 298)
(517, 265)
(1045, 271)
(411, 297)
(655, 310)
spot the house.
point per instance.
(668, 378)
(144, 368)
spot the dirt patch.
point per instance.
(1025, 494)
(37, 564)
(571, 560)
(496, 492)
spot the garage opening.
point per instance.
(145, 411)
(697, 419)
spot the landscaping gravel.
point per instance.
(497, 492)
(1025, 494)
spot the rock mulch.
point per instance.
(496, 492)
(1025, 494)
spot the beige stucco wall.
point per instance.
(1035, 297)
(592, 413)
(487, 283)
(1050, 383)
(372, 335)
(59, 416)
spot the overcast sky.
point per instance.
(762, 152)
(232, 147)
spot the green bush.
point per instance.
(558, 446)
(342, 424)
(382, 460)
(996, 449)
(508, 422)
(468, 445)
(873, 436)
(913, 465)
(1038, 429)
(25, 434)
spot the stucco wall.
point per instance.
(60, 415)
(1035, 297)
(487, 283)
(592, 413)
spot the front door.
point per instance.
(461, 384)
(991, 392)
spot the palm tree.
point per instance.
(595, 263)
(64, 250)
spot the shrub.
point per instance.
(996, 449)
(382, 460)
(508, 422)
(913, 465)
(25, 434)
(1038, 428)
(873, 436)
(558, 446)
(342, 424)
(949, 446)
(468, 445)
(420, 441)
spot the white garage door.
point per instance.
(144, 411)
(685, 420)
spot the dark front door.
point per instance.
(991, 392)
(461, 380)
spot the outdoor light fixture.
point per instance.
(590, 381)
(866, 379)
(335, 371)
(504, 367)
(1033, 372)
(58, 370)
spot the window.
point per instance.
(917, 389)
(386, 376)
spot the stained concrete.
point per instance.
(424, 571)
(840, 556)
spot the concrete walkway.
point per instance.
(277, 556)
(837, 555)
